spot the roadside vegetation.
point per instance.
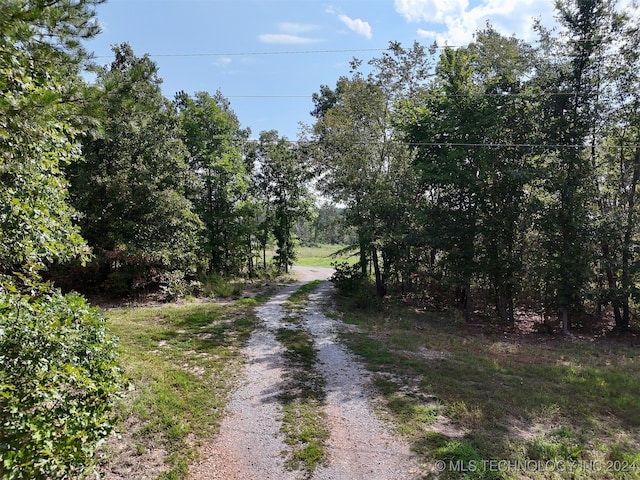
(180, 361)
(543, 406)
(488, 179)
(303, 420)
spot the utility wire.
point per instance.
(246, 54)
(466, 145)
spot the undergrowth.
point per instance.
(502, 406)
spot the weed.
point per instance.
(502, 396)
(303, 422)
(299, 298)
(180, 361)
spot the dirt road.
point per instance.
(250, 445)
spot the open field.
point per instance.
(503, 405)
(321, 255)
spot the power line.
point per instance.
(469, 145)
(246, 54)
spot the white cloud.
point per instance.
(358, 26)
(429, 10)
(223, 62)
(285, 38)
(454, 21)
(296, 28)
(290, 34)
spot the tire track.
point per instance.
(250, 444)
(360, 445)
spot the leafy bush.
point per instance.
(351, 283)
(58, 379)
(219, 287)
(347, 278)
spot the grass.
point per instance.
(303, 420)
(320, 255)
(503, 398)
(180, 360)
(298, 299)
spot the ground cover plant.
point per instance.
(180, 360)
(503, 405)
(303, 421)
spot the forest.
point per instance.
(498, 177)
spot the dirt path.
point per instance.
(360, 446)
(250, 444)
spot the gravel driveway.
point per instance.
(250, 446)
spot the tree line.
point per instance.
(108, 186)
(503, 172)
(174, 189)
(500, 173)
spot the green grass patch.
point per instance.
(303, 421)
(299, 298)
(505, 397)
(303, 425)
(180, 360)
(323, 255)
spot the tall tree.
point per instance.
(40, 60)
(131, 188)
(501, 65)
(282, 176)
(571, 114)
(214, 139)
(448, 126)
(363, 160)
(617, 171)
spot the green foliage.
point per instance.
(220, 194)
(216, 286)
(39, 63)
(348, 278)
(281, 178)
(58, 379)
(356, 286)
(326, 226)
(132, 187)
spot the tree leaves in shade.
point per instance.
(131, 188)
(40, 58)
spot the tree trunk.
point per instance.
(463, 300)
(626, 279)
(264, 255)
(363, 253)
(381, 290)
(564, 318)
(612, 284)
(501, 306)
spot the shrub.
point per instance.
(58, 380)
(358, 288)
(220, 287)
(347, 278)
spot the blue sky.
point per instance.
(244, 47)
